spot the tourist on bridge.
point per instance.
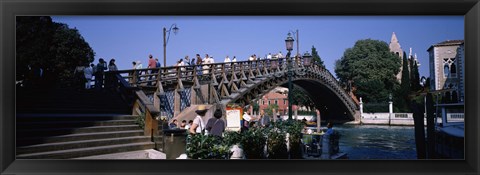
(188, 63)
(101, 67)
(234, 59)
(227, 60)
(199, 63)
(88, 73)
(269, 56)
(251, 58)
(198, 126)
(139, 65)
(216, 126)
(112, 66)
(79, 77)
(279, 54)
(206, 61)
(151, 64)
(158, 63)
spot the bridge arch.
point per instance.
(242, 82)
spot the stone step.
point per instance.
(71, 117)
(73, 110)
(47, 147)
(90, 151)
(72, 124)
(77, 137)
(45, 132)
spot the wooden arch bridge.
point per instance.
(168, 91)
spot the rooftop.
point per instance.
(447, 43)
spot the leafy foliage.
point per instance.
(270, 108)
(316, 57)
(255, 107)
(402, 94)
(254, 141)
(201, 146)
(53, 47)
(369, 61)
(231, 138)
(276, 144)
(140, 121)
(415, 80)
(300, 97)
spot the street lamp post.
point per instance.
(295, 36)
(289, 45)
(165, 40)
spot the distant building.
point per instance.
(447, 65)
(278, 97)
(397, 49)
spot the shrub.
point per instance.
(253, 142)
(276, 144)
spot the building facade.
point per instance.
(279, 99)
(397, 49)
(447, 65)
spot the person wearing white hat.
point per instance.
(198, 125)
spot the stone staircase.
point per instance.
(70, 124)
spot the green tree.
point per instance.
(300, 97)
(401, 97)
(270, 108)
(415, 77)
(405, 84)
(256, 107)
(316, 57)
(34, 35)
(53, 47)
(369, 61)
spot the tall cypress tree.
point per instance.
(415, 77)
(410, 66)
(402, 99)
(405, 86)
(316, 57)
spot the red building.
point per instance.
(275, 98)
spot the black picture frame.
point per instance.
(10, 9)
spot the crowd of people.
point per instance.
(84, 75)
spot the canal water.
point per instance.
(362, 142)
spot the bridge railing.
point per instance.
(221, 77)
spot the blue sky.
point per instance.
(132, 38)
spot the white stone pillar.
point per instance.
(319, 120)
(390, 111)
(296, 113)
(361, 107)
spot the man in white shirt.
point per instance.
(279, 55)
(269, 56)
(227, 59)
(198, 125)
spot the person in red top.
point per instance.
(151, 64)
